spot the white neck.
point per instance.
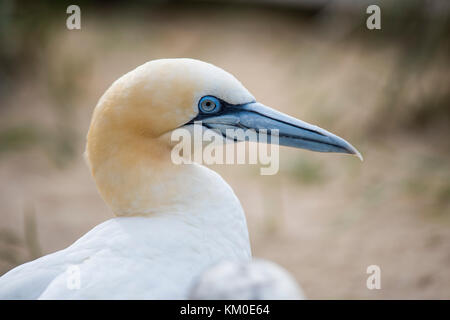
(136, 177)
(205, 214)
(210, 210)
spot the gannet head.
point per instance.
(127, 146)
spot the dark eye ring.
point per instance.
(209, 104)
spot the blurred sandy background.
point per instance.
(324, 217)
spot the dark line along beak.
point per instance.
(292, 132)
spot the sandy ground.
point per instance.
(325, 218)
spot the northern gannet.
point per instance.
(241, 280)
(172, 221)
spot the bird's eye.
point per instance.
(209, 104)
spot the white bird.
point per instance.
(172, 220)
(241, 280)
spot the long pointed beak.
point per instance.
(292, 132)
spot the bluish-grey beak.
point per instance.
(292, 132)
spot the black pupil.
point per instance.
(208, 105)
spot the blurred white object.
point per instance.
(255, 280)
